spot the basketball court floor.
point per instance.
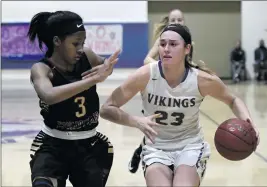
(21, 122)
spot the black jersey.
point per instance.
(78, 113)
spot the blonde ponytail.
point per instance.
(200, 65)
(164, 22)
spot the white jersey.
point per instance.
(179, 109)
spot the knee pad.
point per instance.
(42, 182)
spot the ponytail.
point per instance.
(200, 65)
(164, 22)
(46, 25)
(38, 28)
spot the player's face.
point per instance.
(172, 48)
(176, 17)
(72, 47)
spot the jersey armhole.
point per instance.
(198, 89)
(152, 74)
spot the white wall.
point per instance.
(254, 28)
(90, 11)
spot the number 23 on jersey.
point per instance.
(176, 118)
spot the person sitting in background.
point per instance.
(260, 66)
(238, 59)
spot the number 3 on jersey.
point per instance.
(80, 101)
(178, 118)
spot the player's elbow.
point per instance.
(48, 98)
(104, 111)
(108, 111)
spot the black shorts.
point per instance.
(86, 162)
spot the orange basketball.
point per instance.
(235, 139)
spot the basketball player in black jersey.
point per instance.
(68, 145)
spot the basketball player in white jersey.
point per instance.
(175, 16)
(172, 90)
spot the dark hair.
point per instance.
(46, 25)
(184, 32)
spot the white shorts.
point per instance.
(192, 155)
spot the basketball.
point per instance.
(235, 139)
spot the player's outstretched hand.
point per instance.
(101, 72)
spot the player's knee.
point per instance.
(186, 176)
(42, 182)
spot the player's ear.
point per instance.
(187, 49)
(56, 41)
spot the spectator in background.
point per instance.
(238, 60)
(260, 56)
(175, 16)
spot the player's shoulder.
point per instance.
(40, 66)
(39, 69)
(204, 76)
(139, 78)
(148, 69)
(143, 70)
(207, 81)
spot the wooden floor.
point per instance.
(19, 109)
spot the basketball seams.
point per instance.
(229, 149)
(237, 136)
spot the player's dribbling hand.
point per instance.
(101, 72)
(145, 124)
(256, 131)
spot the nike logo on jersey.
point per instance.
(78, 26)
(171, 102)
(93, 143)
